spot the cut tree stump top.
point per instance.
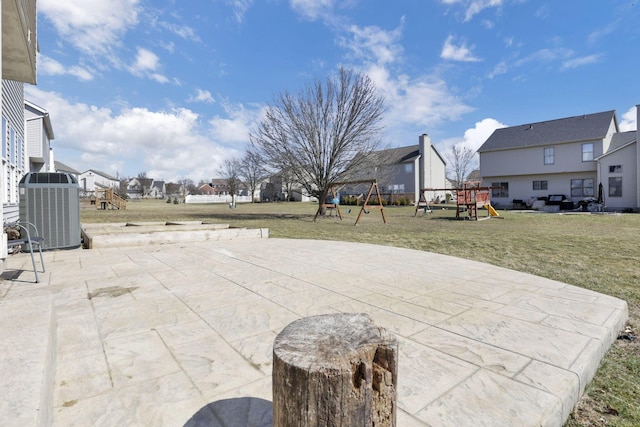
(330, 341)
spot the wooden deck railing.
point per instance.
(109, 198)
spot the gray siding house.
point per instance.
(38, 134)
(404, 171)
(19, 42)
(570, 156)
(14, 160)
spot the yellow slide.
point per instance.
(492, 211)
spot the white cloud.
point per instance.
(412, 103)
(373, 44)
(457, 53)
(183, 31)
(145, 64)
(145, 61)
(167, 144)
(423, 102)
(581, 61)
(92, 27)
(477, 135)
(202, 96)
(629, 120)
(51, 67)
(473, 138)
(473, 7)
(235, 128)
(240, 8)
(312, 9)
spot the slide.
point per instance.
(491, 210)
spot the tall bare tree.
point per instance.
(324, 133)
(230, 172)
(460, 159)
(253, 171)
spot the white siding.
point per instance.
(529, 161)
(626, 159)
(14, 164)
(521, 186)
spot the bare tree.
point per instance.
(460, 158)
(323, 133)
(230, 172)
(252, 170)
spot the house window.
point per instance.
(501, 189)
(539, 185)
(549, 156)
(615, 169)
(615, 186)
(408, 168)
(582, 188)
(587, 152)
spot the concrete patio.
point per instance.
(182, 333)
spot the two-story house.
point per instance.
(19, 43)
(562, 157)
(404, 171)
(92, 181)
(38, 135)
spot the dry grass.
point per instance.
(597, 252)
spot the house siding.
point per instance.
(626, 159)
(521, 186)
(530, 161)
(14, 159)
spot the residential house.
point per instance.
(573, 157)
(405, 171)
(14, 157)
(38, 136)
(137, 188)
(19, 43)
(206, 189)
(92, 181)
(220, 187)
(61, 167)
(158, 190)
(174, 190)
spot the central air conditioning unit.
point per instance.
(51, 202)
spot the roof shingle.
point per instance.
(578, 128)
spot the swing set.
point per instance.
(335, 201)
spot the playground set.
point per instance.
(334, 202)
(468, 199)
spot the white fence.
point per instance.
(203, 198)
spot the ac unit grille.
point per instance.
(55, 210)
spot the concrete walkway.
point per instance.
(182, 333)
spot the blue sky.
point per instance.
(172, 88)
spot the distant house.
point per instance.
(206, 189)
(137, 188)
(158, 190)
(220, 187)
(404, 171)
(38, 136)
(573, 156)
(61, 167)
(174, 190)
(92, 181)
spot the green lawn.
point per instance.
(597, 252)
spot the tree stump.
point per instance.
(334, 370)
